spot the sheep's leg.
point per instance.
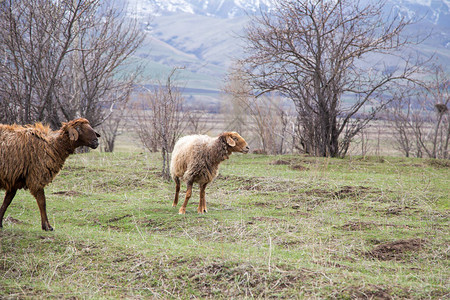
(177, 191)
(40, 198)
(6, 202)
(182, 210)
(202, 205)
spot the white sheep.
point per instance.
(196, 159)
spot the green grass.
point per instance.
(277, 226)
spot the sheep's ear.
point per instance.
(230, 141)
(73, 134)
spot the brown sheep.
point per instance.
(196, 159)
(32, 155)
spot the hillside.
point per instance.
(204, 38)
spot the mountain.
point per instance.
(203, 36)
(212, 8)
(433, 12)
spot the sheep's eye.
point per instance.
(234, 138)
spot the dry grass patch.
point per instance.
(245, 280)
(369, 292)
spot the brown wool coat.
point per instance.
(31, 156)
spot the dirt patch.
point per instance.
(351, 191)
(375, 159)
(151, 223)
(264, 219)
(293, 164)
(343, 192)
(68, 193)
(280, 162)
(73, 168)
(331, 264)
(358, 225)
(115, 219)
(299, 167)
(261, 204)
(259, 151)
(289, 243)
(299, 204)
(108, 226)
(260, 184)
(12, 220)
(300, 213)
(158, 225)
(396, 210)
(396, 250)
(252, 185)
(319, 192)
(438, 163)
(117, 184)
(411, 165)
(361, 226)
(367, 292)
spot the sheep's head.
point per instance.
(81, 133)
(235, 142)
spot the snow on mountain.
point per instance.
(215, 8)
(428, 3)
(233, 8)
(437, 12)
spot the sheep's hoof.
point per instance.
(47, 228)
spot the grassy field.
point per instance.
(277, 226)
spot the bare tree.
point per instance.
(317, 52)
(402, 116)
(265, 116)
(269, 121)
(235, 99)
(421, 119)
(64, 59)
(197, 121)
(235, 96)
(439, 97)
(161, 118)
(110, 128)
(142, 115)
